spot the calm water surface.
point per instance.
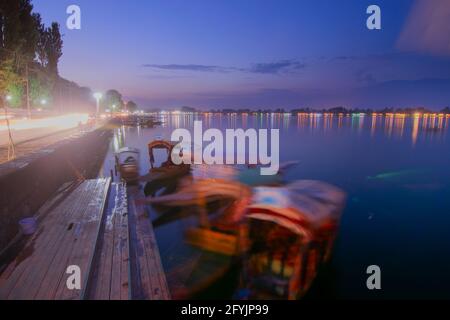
(396, 172)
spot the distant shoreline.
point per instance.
(309, 113)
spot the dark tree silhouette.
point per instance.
(41, 46)
(113, 100)
(131, 106)
(18, 39)
(53, 48)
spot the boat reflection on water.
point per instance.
(270, 236)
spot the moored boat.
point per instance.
(280, 234)
(127, 164)
(167, 170)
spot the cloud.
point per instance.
(164, 77)
(277, 67)
(187, 67)
(282, 66)
(427, 28)
(345, 58)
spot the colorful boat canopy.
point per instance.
(300, 206)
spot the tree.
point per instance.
(11, 37)
(41, 46)
(19, 31)
(7, 76)
(187, 109)
(338, 110)
(53, 48)
(29, 55)
(132, 106)
(16, 92)
(10, 83)
(40, 90)
(29, 24)
(18, 39)
(113, 100)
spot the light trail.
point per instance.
(61, 122)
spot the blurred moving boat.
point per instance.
(216, 231)
(227, 191)
(281, 234)
(216, 204)
(290, 233)
(127, 164)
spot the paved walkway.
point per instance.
(39, 140)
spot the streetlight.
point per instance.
(98, 96)
(43, 102)
(8, 98)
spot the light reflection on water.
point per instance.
(396, 171)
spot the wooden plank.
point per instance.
(120, 266)
(49, 205)
(148, 273)
(69, 231)
(101, 280)
(111, 272)
(45, 240)
(48, 286)
(84, 251)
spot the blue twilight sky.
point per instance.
(259, 53)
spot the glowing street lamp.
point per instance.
(98, 96)
(43, 102)
(8, 98)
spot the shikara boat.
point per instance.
(220, 195)
(167, 171)
(281, 234)
(127, 164)
(216, 204)
(290, 233)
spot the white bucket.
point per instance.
(28, 226)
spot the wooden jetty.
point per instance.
(110, 279)
(149, 279)
(95, 227)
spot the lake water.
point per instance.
(396, 173)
